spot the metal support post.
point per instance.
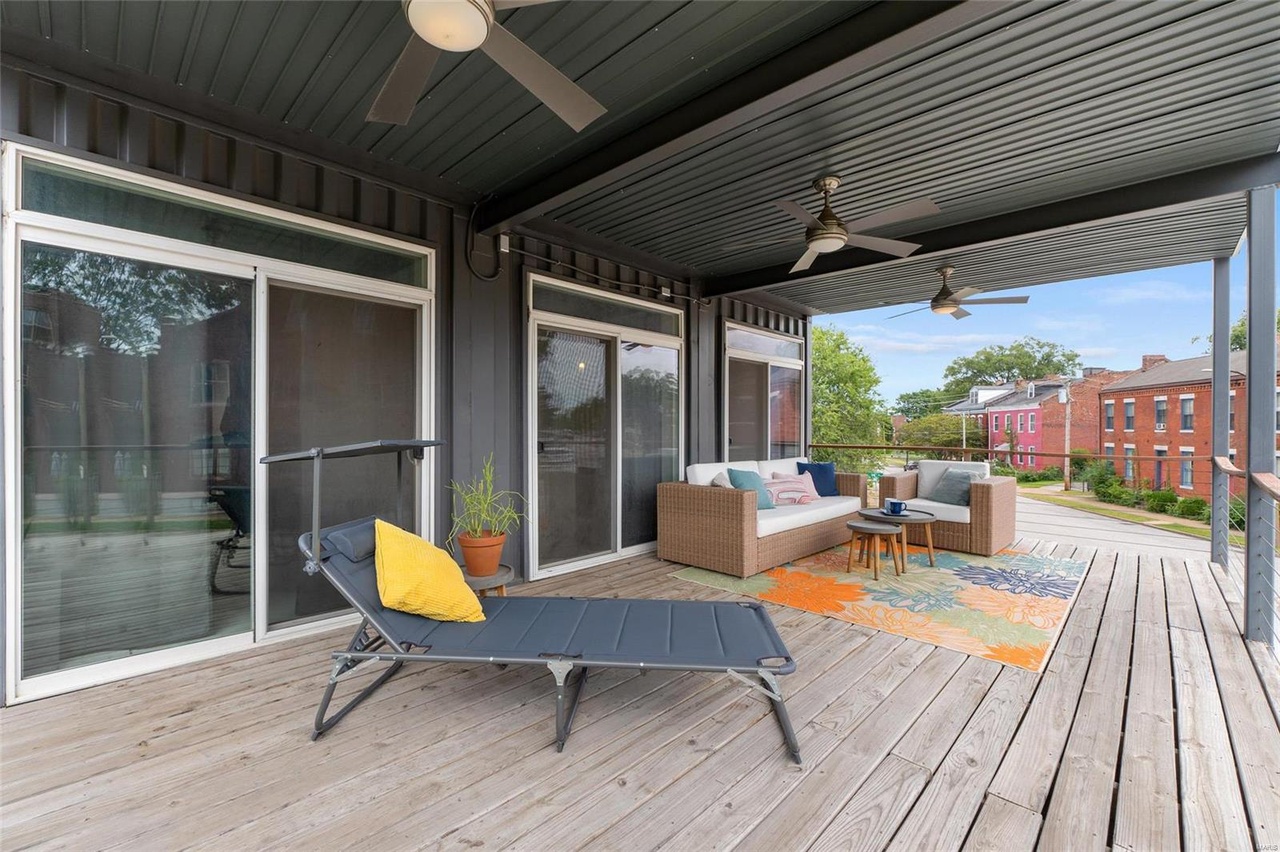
(1260, 594)
(1219, 520)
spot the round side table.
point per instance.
(496, 583)
(871, 533)
(910, 516)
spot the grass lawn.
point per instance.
(1090, 506)
(1234, 538)
(1134, 516)
(1054, 483)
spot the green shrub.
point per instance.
(1191, 507)
(1114, 492)
(1002, 468)
(1048, 474)
(1162, 500)
(1206, 515)
(1078, 464)
(1236, 513)
(1098, 474)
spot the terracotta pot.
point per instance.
(482, 553)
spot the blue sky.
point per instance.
(1111, 321)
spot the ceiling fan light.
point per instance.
(454, 25)
(826, 244)
(944, 308)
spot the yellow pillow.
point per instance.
(416, 576)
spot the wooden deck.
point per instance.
(1150, 729)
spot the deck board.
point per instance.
(1151, 704)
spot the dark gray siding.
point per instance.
(481, 324)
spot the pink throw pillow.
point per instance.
(790, 489)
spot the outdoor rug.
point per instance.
(1009, 607)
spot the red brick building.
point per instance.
(1165, 410)
(1084, 414)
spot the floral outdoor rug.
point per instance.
(1009, 607)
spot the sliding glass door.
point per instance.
(606, 424)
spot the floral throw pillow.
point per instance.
(789, 489)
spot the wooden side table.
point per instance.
(496, 583)
(870, 533)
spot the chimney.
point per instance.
(1149, 361)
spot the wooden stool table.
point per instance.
(870, 533)
(910, 516)
(496, 582)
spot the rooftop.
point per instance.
(1187, 371)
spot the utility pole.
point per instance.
(1064, 397)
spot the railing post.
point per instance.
(1219, 518)
(1260, 596)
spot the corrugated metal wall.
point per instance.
(482, 326)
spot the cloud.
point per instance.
(1098, 351)
(1087, 323)
(1154, 291)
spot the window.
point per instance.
(1031, 422)
(1108, 449)
(1162, 413)
(36, 327)
(1022, 423)
(1129, 452)
(1031, 390)
(1128, 415)
(973, 397)
(1187, 406)
(210, 382)
(764, 395)
(1031, 455)
(1184, 480)
(1109, 415)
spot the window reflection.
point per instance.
(124, 548)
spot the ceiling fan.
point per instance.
(947, 302)
(464, 25)
(826, 233)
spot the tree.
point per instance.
(1239, 340)
(919, 403)
(1026, 358)
(847, 409)
(935, 430)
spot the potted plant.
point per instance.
(482, 517)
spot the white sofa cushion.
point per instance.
(930, 473)
(784, 466)
(783, 518)
(943, 511)
(702, 474)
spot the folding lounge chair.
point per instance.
(562, 634)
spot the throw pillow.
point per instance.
(824, 477)
(721, 480)
(953, 488)
(749, 480)
(416, 576)
(791, 490)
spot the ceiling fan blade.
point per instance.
(897, 248)
(960, 313)
(806, 260)
(404, 85)
(500, 5)
(1004, 300)
(561, 95)
(965, 292)
(898, 213)
(797, 212)
(912, 311)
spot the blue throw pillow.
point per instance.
(824, 477)
(953, 488)
(746, 480)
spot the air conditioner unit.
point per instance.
(1160, 427)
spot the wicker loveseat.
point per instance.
(985, 526)
(721, 529)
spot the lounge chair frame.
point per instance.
(376, 639)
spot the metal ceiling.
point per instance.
(1030, 104)
(1188, 234)
(315, 65)
(1039, 103)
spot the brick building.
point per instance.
(1165, 410)
(1084, 414)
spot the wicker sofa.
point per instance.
(985, 526)
(721, 529)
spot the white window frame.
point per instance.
(617, 333)
(21, 226)
(1108, 408)
(1022, 422)
(1181, 414)
(773, 361)
(1128, 427)
(1155, 411)
(1130, 465)
(1031, 423)
(1186, 466)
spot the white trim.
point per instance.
(1191, 450)
(11, 340)
(1159, 398)
(1161, 447)
(178, 192)
(82, 677)
(1186, 396)
(1129, 399)
(1109, 444)
(616, 335)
